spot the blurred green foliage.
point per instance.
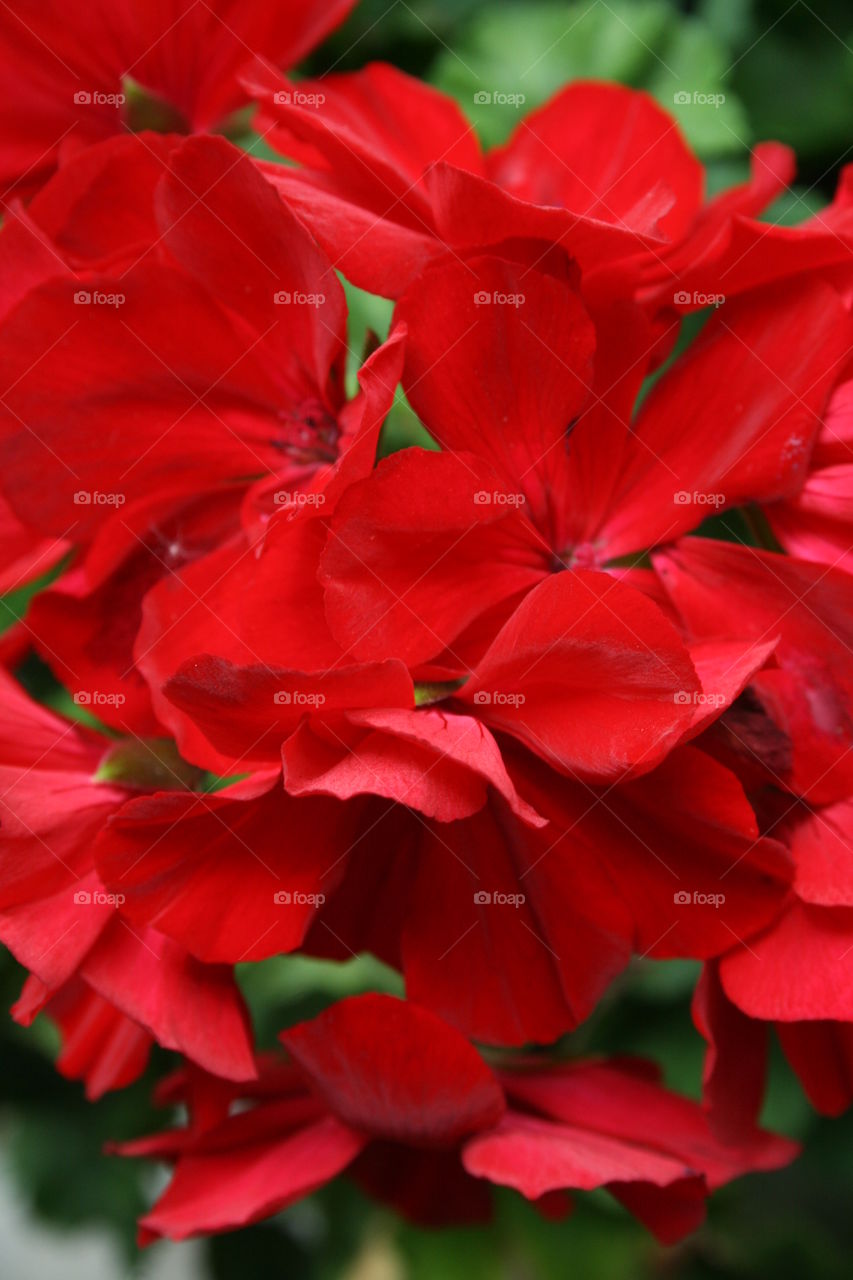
(785, 71)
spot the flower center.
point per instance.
(308, 434)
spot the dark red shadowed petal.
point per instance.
(512, 933)
(821, 1053)
(430, 1188)
(724, 591)
(680, 846)
(735, 1072)
(234, 876)
(100, 1045)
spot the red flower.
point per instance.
(546, 435)
(562, 852)
(488, 710)
(384, 208)
(638, 228)
(388, 1092)
(433, 658)
(251, 411)
(76, 74)
(791, 734)
(57, 918)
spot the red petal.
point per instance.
(98, 209)
(226, 225)
(396, 1071)
(822, 847)
(770, 400)
(374, 252)
(235, 876)
(227, 1189)
(670, 1213)
(192, 1008)
(512, 933)
(515, 409)
(438, 763)
(726, 592)
(608, 152)
(430, 1188)
(194, 416)
(682, 844)
(51, 810)
(419, 550)
(612, 1100)
(231, 604)
(589, 674)
(378, 129)
(247, 712)
(536, 1156)
(470, 212)
(798, 969)
(743, 253)
(724, 668)
(735, 1073)
(52, 935)
(821, 1053)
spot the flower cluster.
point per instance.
(563, 681)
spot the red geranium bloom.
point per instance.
(76, 74)
(136, 446)
(487, 708)
(386, 1091)
(789, 738)
(435, 657)
(573, 857)
(86, 963)
(541, 466)
(394, 175)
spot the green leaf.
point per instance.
(689, 82)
